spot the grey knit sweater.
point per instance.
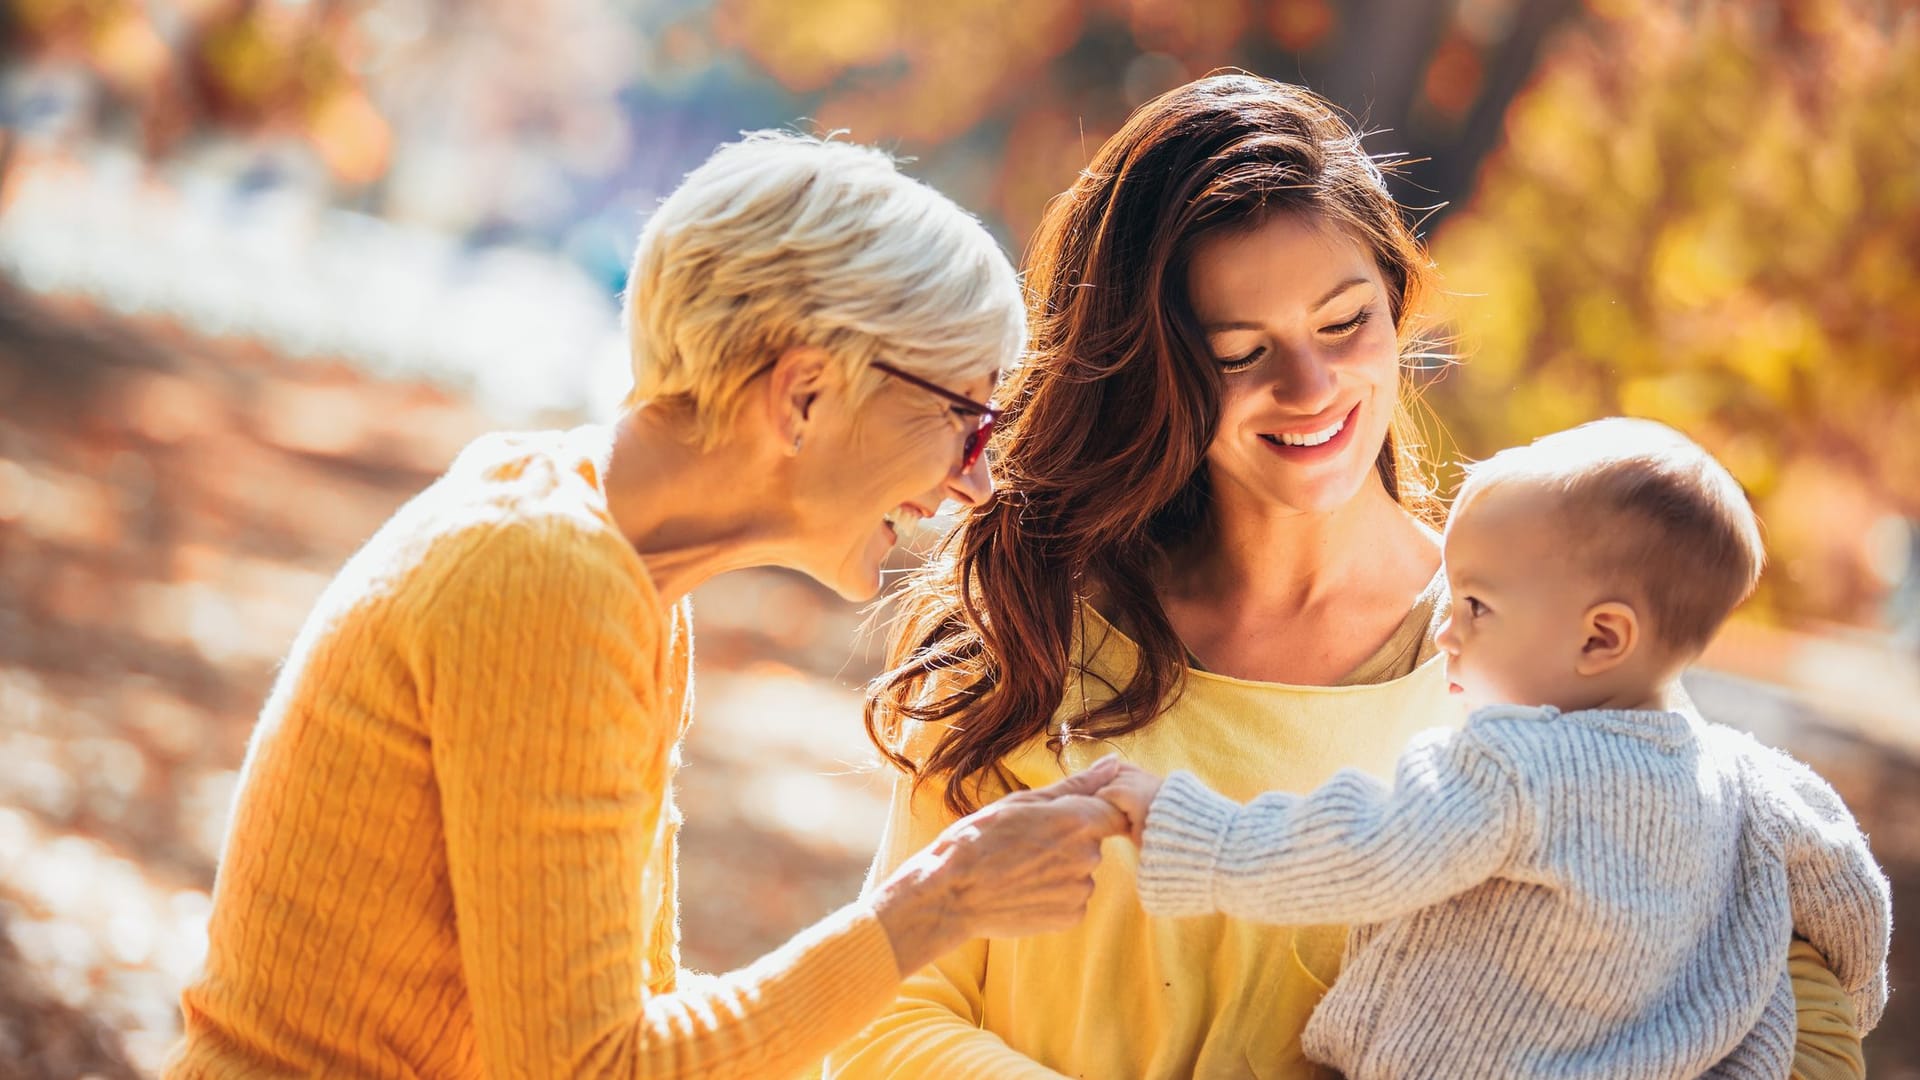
(1604, 895)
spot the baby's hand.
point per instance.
(1131, 791)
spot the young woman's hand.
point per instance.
(1021, 865)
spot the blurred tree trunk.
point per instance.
(1379, 58)
(1455, 159)
(1376, 68)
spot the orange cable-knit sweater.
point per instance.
(452, 854)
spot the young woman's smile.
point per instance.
(1295, 315)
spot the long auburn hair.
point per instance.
(1100, 452)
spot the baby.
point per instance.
(1585, 881)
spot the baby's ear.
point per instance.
(1612, 633)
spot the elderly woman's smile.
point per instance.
(883, 466)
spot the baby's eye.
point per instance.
(1475, 607)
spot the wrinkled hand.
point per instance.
(1021, 865)
(1131, 791)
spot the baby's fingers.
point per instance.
(1129, 802)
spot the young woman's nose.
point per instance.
(1305, 381)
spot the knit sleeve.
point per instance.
(1352, 851)
(545, 683)
(1841, 901)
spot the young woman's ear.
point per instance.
(1613, 632)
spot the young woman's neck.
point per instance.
(690, 512)
(1274, 558)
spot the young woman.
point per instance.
(1212, 550)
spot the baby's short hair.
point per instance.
(783, 240)
(1642, 503)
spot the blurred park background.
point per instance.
(265, 265)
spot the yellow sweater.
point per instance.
(453, 850)
(1126, 996)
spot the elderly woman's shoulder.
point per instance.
(522, 478)
(518, 520)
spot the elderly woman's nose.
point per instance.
(971, 486)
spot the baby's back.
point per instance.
(1638, 929)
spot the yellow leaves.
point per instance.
(1044, 146)
(244, 61)
(1453, 78)
(286, 67)
(1695, 263)
(1750, 459)
(1185, 28)
(1549, 133)
(1633, 164)
(1834, 183)
(1602, 326)
(958, 62)
(1299, 25)
(352, 137)
(130, 52)
(897, 69)
(1773, 346)
(47, 17)
(806, 46)
(1488, 298)
(116, 38)
(1884, 271)
(1681, 398)
(1558, 397)
(1708, 220)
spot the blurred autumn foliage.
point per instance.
(1702, 212)
(182, 68)
(1032, 86)
(1705, 211)
(1715, 221)
(266, 264)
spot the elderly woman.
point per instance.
(453, 849)
(1213, 551)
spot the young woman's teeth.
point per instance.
(1312, 439)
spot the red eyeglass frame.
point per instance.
(976, 443)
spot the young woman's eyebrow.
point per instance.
(1338, 289)
(1244, 324)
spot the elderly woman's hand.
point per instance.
(1021, 865)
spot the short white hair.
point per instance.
(783, 240)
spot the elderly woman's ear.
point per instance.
(799, 376)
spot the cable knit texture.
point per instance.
(452, 854)
(1605, 895)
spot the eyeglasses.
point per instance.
(977, 440)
